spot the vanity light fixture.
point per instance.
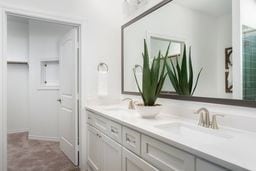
(130, 6)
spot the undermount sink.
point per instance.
(196, 133)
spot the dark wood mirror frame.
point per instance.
(233, 102)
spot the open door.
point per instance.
(69, 104)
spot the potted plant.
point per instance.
(152, 82)
(182, 76)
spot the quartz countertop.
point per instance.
(237, 153)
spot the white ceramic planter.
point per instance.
(148, 112)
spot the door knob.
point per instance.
(59, 100)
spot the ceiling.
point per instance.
(211, 7)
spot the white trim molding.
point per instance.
(17, 131)
(43, 138)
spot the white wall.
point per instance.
(17, 109)
(248, 13)
(103, 44)
(74, 8)
(224, 40)
(17, 42)
(17, 75)
(43, 105)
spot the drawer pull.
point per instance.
(114, 131)
(98, 135)
(130, 141)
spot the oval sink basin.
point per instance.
(196, 133)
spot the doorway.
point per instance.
(42, 93)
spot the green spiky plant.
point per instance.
(153, 77)
(182, 76)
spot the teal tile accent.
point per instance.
(249, 65)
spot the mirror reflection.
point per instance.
(221, 45)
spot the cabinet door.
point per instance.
(165, 157)
(131, 162)
(111, 155)
(94, 149)
(202, 165)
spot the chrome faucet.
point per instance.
(131, 104)
(204, 119)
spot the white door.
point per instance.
(112, 154)
(68, 115)
(94, 149)
(131, 162)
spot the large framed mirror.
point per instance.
(222, 37)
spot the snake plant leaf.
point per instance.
(137, 83)
(190, 72)
(155, 71)
(146, 83)
(178, 69)
(197, 79)
(153, 77)
(160, 85)
(173, 78)
(182, 77)
(176, 81)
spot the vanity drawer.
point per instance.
(131, 140)
(202, 165)
(165, 157)
(101, 123)
(115, 131)
(90, 118)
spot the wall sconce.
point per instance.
(130, 6)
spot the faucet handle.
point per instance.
(131, 103)
(214, 123)
(201, 118)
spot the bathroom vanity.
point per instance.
(120, 140)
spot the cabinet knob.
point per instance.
(114, 131)
(130, 141)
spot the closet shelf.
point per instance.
(17, 62)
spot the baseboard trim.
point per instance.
(17, 131)
(43, 138)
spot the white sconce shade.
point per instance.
(130, 6)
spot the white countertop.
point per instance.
(237, 153)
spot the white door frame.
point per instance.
(4, 12)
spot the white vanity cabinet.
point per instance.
(132, 162)
(94, 149)
(115, 147)
(104, 154)
(112, 155)
(165, 157)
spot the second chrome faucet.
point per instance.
(204, 118)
